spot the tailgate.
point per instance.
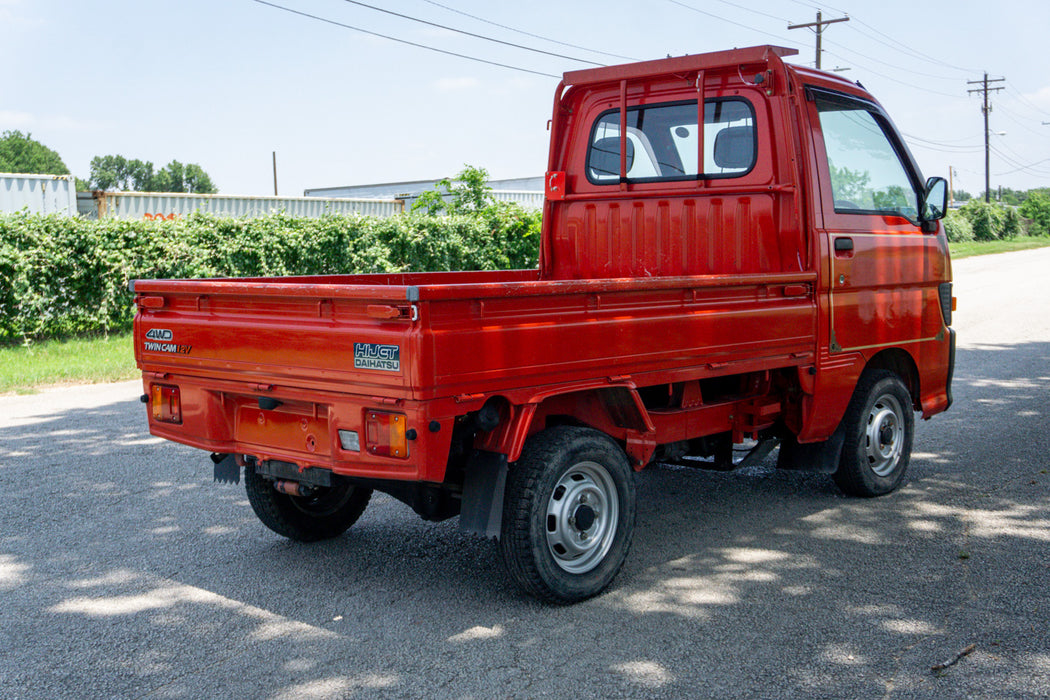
(306, 335)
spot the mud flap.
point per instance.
(822, 457)
(227, 471)
(481, 512)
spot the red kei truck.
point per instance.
(735, 250)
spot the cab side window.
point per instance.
(867, 173)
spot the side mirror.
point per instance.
(934, 200)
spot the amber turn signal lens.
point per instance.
(165, 403)
(385, 434)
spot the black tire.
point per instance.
(568, 514)
(880, 428)
(328, 513)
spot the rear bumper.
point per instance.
(303, 427)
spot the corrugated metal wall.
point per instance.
(40, 194)
(528, 200)
(150, 205)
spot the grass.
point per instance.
(971, 248)
(24, 368)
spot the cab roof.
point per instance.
(677, 65)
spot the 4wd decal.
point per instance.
(163, 334)
(375, 356)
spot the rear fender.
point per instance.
(614, 409)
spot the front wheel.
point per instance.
(568, 514)
(327, 512)
(880, 427)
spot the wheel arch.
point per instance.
(901, 363)
(614, 409)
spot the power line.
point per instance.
(1015, 154)
(1019, 120)
(843, 47)
(908, 49)
(950, 143)
(754, 11)
(522, 31)
(1027, 168)
(1011, 88)
(404, 41)
(809, 6)
(925, 90)
(738, 24)
(472, 34)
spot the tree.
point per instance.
(116, 172)
(19, 153)
(1036, 208)
(957, 227)
(961, 195)
(850, 185)
(176, 177)
(987, 219)
(119, 173)
(469, 192)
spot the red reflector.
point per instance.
(385, 434)
(151, 302)
(165, 403)
(555, 189)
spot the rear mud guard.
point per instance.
(821, 457)
(481, 512)
(227, 471)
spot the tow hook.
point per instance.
(292, 488)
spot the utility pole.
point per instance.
(986, 109)
(819, 24)
(275, 173)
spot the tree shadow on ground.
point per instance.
(126, 572)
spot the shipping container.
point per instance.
(168, 205)
(526, 191)
(527, 200)
(38, 194)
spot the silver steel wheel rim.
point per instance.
(582, 514)
(884, 435)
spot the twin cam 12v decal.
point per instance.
(160, 340)
(375, 356)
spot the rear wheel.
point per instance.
(325, 513)
(568, 514)
(880, 428)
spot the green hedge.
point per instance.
(62, 276)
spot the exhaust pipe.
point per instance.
(292, 488)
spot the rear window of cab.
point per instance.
(662, 142)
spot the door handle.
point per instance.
(843, 245)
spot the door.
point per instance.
(882, 276)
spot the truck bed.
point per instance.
(431, 335)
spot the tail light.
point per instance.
(165, 403)
(385, 434)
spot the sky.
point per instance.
(225, 83)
